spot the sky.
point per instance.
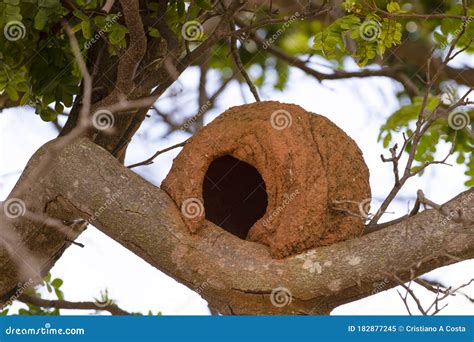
(359, 107)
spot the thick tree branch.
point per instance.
(240, 275)
(131, 58)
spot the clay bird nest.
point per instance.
(270, 173)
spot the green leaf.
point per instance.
(153, 32)
(47, 114)
(59, 294)
(48, 3)
(86, 29)
(181, 8)
(387, 139)
(355, 34)
(117, 34)
(318, 41)
(440, 39)
(100, 21)
(57, 283)
(193, 12)
(58, 107)
(393, 7)
(12, 93)
(24, 99)
(204, 4)
(40, 20)
(81, 15)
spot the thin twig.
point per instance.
(457, 217)
(64, 304)
(240, 66)
(156, 154)
(423, 123)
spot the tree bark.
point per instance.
(235, 276)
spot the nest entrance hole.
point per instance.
(234, 194)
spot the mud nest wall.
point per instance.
(269, 172)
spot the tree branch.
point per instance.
(241, 274)
(64, 304)
(320, 76)
(238, 62)
(156, 154)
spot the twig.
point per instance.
(302, 65)
(57, 125)
(157, 153)
(458, 217)
(423, 123)
(240, 66)
(307, 15)
(360, 206)
(373, 228)
(405, 301)
(63, 304)
(166, 119)
(15, 247)
(442, 292)
(416, 208)
(435, 287)
(412, 294)
(435, 16)
(443, 162)
(394, 159)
